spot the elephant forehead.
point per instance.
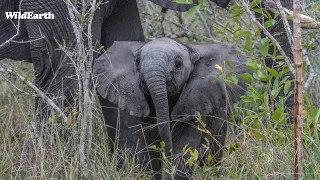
(167, 43)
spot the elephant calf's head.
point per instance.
(164, 58)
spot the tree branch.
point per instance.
(312, 73)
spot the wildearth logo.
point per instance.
(29, 15)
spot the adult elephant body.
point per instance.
(142, 85)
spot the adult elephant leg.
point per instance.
(123, 25)
(184, 133)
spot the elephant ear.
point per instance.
(206, 92)
(170, 4)
(118, 79)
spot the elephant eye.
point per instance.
(137, 62)
(178, 63)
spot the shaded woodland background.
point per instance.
(258, 146)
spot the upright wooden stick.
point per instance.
(298, 122)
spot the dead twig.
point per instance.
(312, 73)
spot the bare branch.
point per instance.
(88, 98)
(312, 73)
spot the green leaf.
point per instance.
(183, 1)
(217, 77)
(234, 79)
(235, 7)
(284, 80)
(209, 158)
(257, 10)
(264, 46)
(50, 119)
(190, 161)
(195, 155)
(279, 57)
(252, 65)
(275, 92)
(185, 148)
(267, 14)
(254, 3)
(246, 77)
(273, 72)
(236, 13)
(192, 11)
(276, 83)
(261, 75)
(259, 135)
(240, 34)
(248, 44)
(277, 114)
(154, 147)
(269, 23)
(284, 71)
(231, 79)
(286, 87)
(226, 26)
(162, 144)
(228, 63)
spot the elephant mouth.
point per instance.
(171, 88)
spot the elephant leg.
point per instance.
(184, 133)
(123, 24)
(126, 136)
(217, 125)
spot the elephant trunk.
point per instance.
(155, 78)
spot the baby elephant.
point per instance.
(153, 91)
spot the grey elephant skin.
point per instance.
(145, 85)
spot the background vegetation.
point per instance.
(260, 136)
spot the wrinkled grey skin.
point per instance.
(135, 77)
(54, 73)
